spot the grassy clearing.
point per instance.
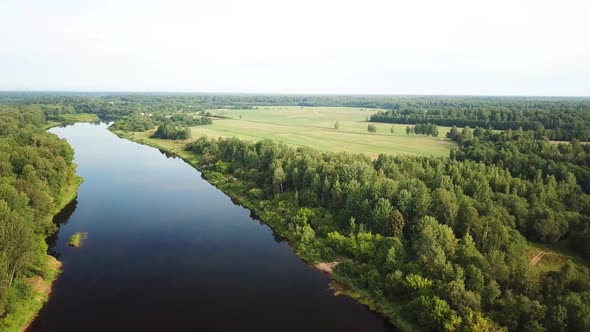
(77, 238)
(554, 259)
(314, 127)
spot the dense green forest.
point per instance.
(37, 179)
(442, 239)
(541, 162)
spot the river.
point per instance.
(167, 251)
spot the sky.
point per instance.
(466, 47)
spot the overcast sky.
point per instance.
(495, 47)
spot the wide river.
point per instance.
(167, 251)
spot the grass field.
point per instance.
(314, 127)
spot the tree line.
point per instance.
(426, 129)
(558, 120)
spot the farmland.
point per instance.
(314, 127)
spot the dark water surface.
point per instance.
(167, 251)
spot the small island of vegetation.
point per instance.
(76, 239)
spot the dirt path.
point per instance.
(538, 257)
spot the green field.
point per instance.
(80, 117)
(314, 127)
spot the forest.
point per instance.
(537, 160)
(37, 179)
(443, 240)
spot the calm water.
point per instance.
(168, 251)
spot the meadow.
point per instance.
(314, 127)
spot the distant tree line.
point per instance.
(556, 118)
(556, 121)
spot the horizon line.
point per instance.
(139, 92)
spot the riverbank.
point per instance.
(39, 287)
(68, 195)
(239, 192)
(68, 119)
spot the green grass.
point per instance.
(68, 194)
(314, 127)
(50, 124)
(80, 117)
(76, 239)
(172, 146)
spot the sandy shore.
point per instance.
(327, 267)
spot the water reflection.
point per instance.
(60, 219)
(167, 154)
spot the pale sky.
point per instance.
(495, 47)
